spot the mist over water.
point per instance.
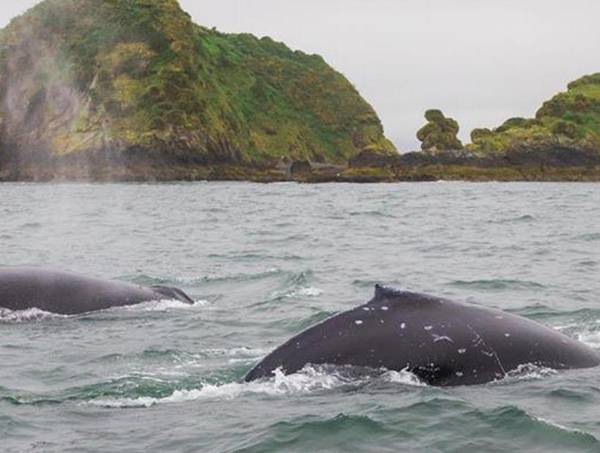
(264, 262)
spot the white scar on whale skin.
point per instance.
(479, 341)
(438, 338)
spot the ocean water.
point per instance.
(264, 262)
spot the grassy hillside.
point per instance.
(570, 120)
(138, 76)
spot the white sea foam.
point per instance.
(303, 292)
(235, 355)
(240, 352)
(403, 377)
(309, 292)
(35, 314)
(163, 305)
(22, 316)
(585, 335)
(307, 381)
(562, 328)
(591, 338)
(528, 372)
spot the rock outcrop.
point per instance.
(440, 133)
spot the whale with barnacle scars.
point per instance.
(444, 343)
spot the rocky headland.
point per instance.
(133, 89)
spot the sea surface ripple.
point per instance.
(264, 262)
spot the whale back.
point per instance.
(441, 341)
(66, 293)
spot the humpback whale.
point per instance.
(69, 294)
(444, 343)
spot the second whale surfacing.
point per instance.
(444, 343)
(70, 294)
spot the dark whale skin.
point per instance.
(69, 294)
(444, 343)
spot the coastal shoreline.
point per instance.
(331, 174)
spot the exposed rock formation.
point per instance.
(440, 133)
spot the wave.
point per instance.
(199, 281)
(239, 355)
(174, 360)
(255, 256)
(587, 264)
(537, 311)
(32, 225)
(526, 218)
(403, 377)
(296, 324)
(453, 421)
(498, 285)
(564, 428)
(23, 316)
(372, 213)
(529, 372)
(583, 325)
(310, 380)
(143, 390)
(292, 286)
(519, 422)
(238, 352)
(589, 237)
(565, 319)
(308, 291)
(342, 432)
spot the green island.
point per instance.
(133, 90)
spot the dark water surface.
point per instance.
(263, 263)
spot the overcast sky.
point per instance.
(481, 61)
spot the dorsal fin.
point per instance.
(382, 292)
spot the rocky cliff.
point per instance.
(118, 88)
